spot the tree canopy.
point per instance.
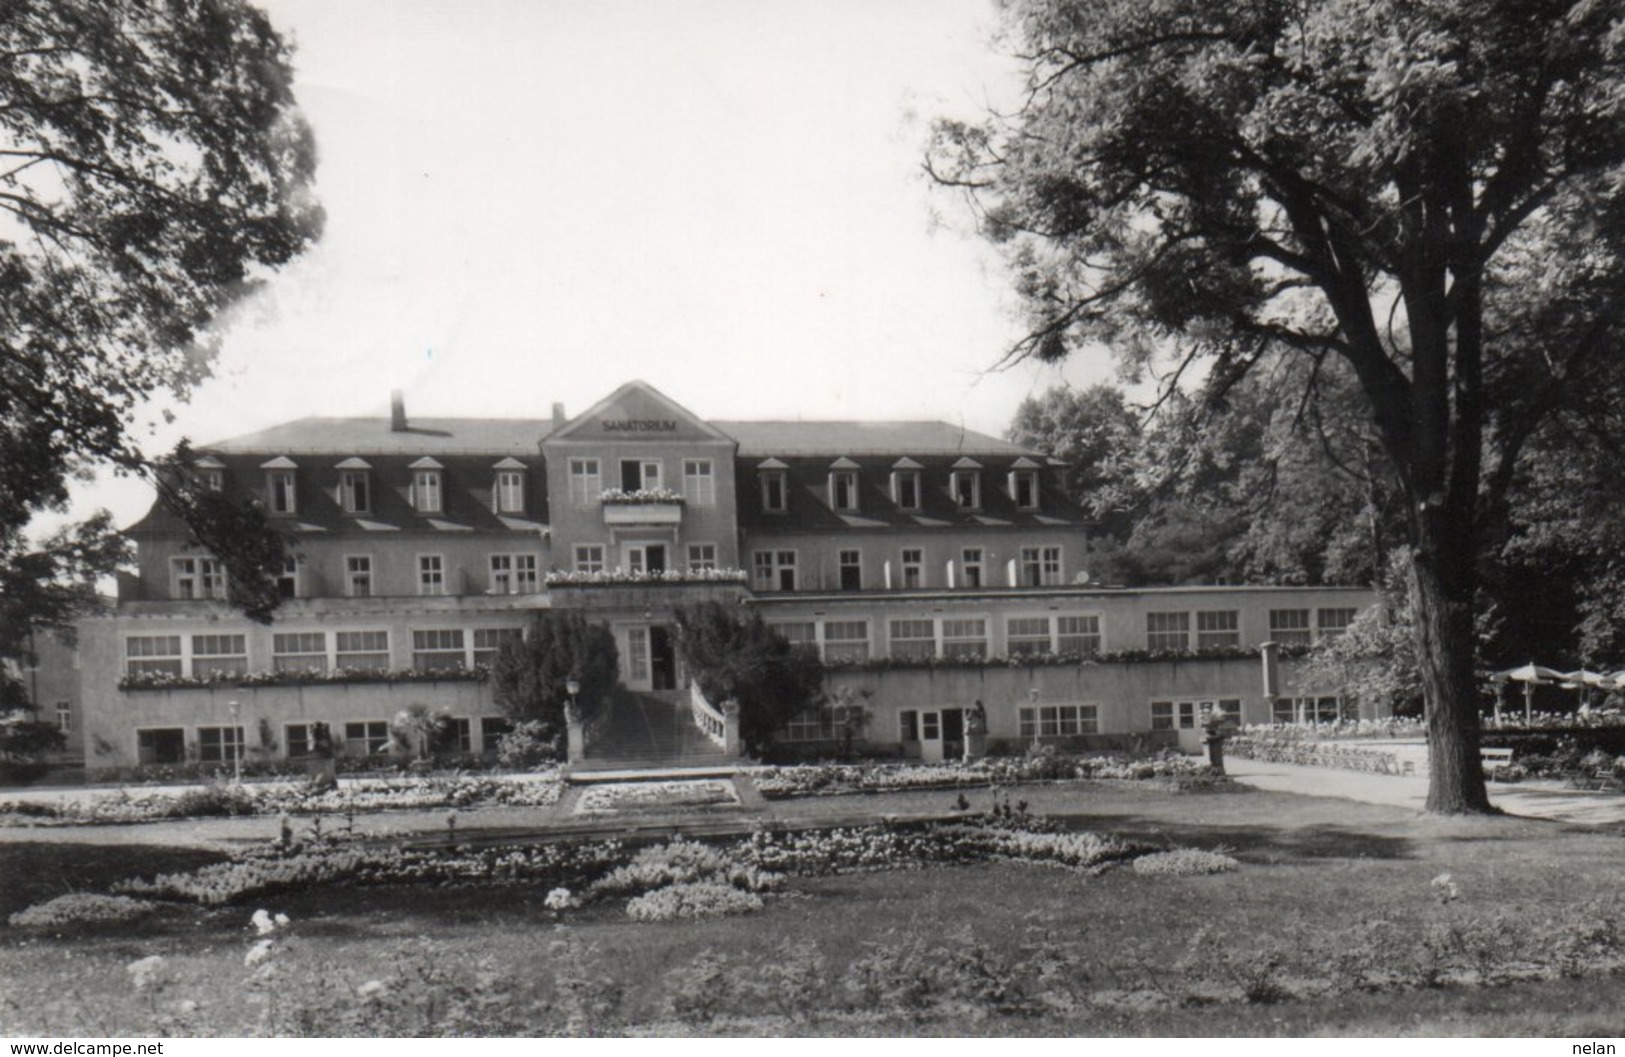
(529, 678)
(746, 661)
(153, 171)
(1427, 192)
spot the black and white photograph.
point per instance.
(626, 519)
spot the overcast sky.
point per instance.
(536, 200)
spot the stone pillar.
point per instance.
(732, 744)
(575, 735)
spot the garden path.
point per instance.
(1410, 791)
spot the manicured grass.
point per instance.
(1319, 879)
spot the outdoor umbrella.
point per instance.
(1529, 675)
(1583, 680)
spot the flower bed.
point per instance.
(610, 799)
(1255, 744)
(835, 779)
(280, 798)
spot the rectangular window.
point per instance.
(502, 574)
(219, 744)
(492, 729)
(775, 492)
(586, 484)
(361, 649)
(1307, 710)
(908, 725)
(280, 492)
(1079, 634)
(699, 482)
(1332, 622)
(702, 556)
(970, 561)
(846, 641)
(510, 492)
(219, 655)
(300, 740)
(1169, 632)
(152, 655)
(808, 726)
(431, 574)
(366, 738)
(212, 480)
(851, 566)
(287, 584)
(1290, 626)
(1049, 721)
(487, 641)
(1024, 489)
(964, 637)
(1026, 635)
(460, 734)
(358, 575)
(843, 490)
(905, 487)
(426, 491)
(1218, 629)
(196, 578)
(438, 649)
(967, 489)
(640, 475)
(161, 745)
(64, 717)
(355, 492)
(1041, 566)
(913, 638)
(589, 558)
(931, 726)
(913, 567)
(798, 633)
(1173, 715)
(774, 570)
(299, 651)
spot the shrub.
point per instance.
(213, 801)
(1184, 862)
(529, 744)
(77, 908)
(703, 900)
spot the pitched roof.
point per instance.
(864, 438)
(373, 436)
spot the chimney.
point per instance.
(558, 416)
(397, 411)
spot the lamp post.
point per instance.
(236, 742)
(1038, 724)
(572, 686)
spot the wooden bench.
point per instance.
(1495, 759)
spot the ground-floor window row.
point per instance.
(305, 740)
(1042, 719)
(210, 656)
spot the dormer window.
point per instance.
(508, 489)
(1024, 487)
(355, 486)
(966, 484)
(426, 486)
(905, 484)
(211, 474)
(281, 488)
(843, 485)
(775, 486)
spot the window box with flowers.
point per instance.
(610, 577)
(250, 680)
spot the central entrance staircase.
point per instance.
(650, 731)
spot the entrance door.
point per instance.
(953, 733)
(662, 658)
(931, 737)
(637, 657)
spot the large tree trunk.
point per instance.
(1441, 599)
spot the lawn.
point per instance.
(1335, 922)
